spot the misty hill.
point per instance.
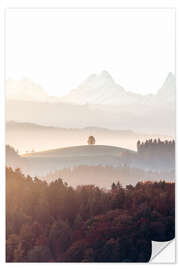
(103, 175)
(27, 136)
(82, 151)
(92, 164)
(13, 159)
(44, 162)
(151, 156)
(98, 101)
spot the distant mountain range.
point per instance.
(102, 89)
(99, 101)
(98, 89)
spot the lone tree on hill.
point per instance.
(91, 140)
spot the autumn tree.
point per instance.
(91, 140)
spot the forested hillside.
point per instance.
(57, 223)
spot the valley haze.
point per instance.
(51, 134)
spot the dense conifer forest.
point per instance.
(57, 223)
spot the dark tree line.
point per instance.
(156, 145)
(156, 154)
(57, 223)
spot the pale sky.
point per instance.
(58, 49)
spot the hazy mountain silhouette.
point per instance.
(98, 101)
(102, 89)
(96, 89)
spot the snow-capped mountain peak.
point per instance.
(26, 90)
(169, 86)
(97, 80)
(103, 90)
(96, 89)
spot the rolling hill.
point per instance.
(88, 164)
(28, 137)
(44, 162)
(83, 151)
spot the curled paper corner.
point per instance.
(163, 252)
